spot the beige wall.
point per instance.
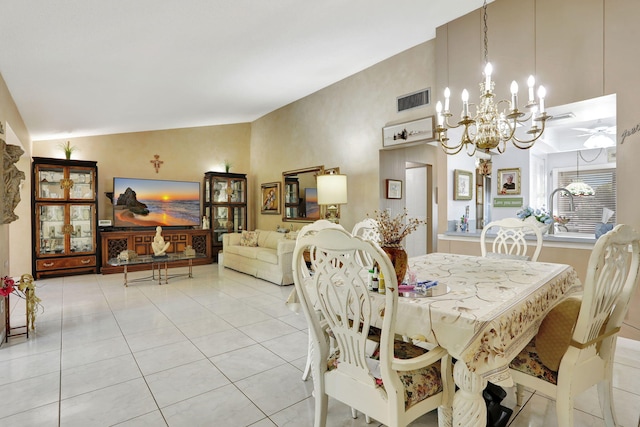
(341, 126)
(16, 234)
(186, 155)
(15, 133)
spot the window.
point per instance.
(588, 210)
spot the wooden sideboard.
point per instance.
(115, 241)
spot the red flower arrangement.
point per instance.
(7, 286)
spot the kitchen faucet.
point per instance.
(553, 221)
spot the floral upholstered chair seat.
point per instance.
(529, 363)
(418, 384)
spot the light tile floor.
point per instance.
(214, 350)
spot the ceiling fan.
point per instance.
(598, 136)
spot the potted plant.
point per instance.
(68, 149)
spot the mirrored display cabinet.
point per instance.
(64, 225)
(224, 205)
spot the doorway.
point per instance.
(419, 206)
(414, 166)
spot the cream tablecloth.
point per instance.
(493, 309)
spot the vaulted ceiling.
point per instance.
(92, 67)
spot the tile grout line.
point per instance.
(144, 378)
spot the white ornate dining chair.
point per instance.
(509, 241)
(576, 342)
(367, 229)
(405, 381)
(314, 227)
(309, 230)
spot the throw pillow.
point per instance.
(555, 332)
(249, 238)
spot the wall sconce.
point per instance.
(332, 191)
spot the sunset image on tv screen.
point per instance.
(150, 202)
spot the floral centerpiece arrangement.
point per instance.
(541, 215)
(392, 231)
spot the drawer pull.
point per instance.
(85, 261)
(48, 264)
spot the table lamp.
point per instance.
(332, 191)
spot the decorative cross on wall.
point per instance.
(156, 162)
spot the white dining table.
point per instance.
(488, 310)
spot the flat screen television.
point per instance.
(152, 202)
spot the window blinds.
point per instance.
(588, 210)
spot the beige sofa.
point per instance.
(269, 260)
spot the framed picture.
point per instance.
(404, 133)
(509, 181)
(462, 185)
(394, 189)
(270, 202)
(479, 194)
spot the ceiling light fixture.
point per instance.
(488, 129)
(579, 187)
(599, 140)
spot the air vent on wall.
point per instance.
(414, 100)
(562, 116)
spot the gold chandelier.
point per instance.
(490, 129)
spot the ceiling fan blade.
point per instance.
(584, 130)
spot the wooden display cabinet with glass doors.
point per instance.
(224, 205)
(64, 217)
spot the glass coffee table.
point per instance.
(159, 262)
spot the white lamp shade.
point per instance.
(579, 188)
(332, 189)
(599, 140)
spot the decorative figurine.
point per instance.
(189, 251)
(159, 246)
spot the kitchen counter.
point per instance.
(562, 239)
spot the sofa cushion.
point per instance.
(262, 237)
(270, 239)
(232, 249)
(267, 255)
(249, 238)
(249, 252)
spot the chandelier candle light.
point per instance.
(489, 129)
